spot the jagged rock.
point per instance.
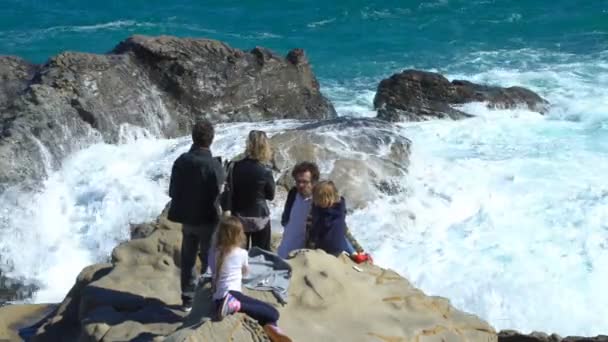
(331, 301)
(360, 155)
(414, 95)
(159, 84)
(208, 77)
(135, 298)
(141, 230)
(137, 295)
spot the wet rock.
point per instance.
(414, 95)
(361, 156)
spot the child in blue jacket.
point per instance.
(328, 230)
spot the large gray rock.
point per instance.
(364, 157)
(414, 95)
(159, 84)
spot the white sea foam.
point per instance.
(510, 221)
(320, 23)
(84, 209)
(511, 207)
(112, 25)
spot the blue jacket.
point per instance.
(328, 231)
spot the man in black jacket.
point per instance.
(196, 180)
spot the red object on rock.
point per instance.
(362, 257)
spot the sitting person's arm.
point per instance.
(245, 267)
(353, 241)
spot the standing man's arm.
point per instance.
(217, 178)
(220, 175)
(214, 176)
(174, 183)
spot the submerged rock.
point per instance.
(146, 85)
(414, 95)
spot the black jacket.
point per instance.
(291, 197)
(196, 179)
(252, 185)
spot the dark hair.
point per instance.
(307, 167)
(203, 133)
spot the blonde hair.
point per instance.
(325, 194)
(258, 146)
(230, 234)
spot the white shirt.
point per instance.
(231, 274)
(294, 234)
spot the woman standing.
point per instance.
(253, 185)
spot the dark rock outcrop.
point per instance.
(515, 336)
(414, 95)
(159, 84)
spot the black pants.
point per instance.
(195, 240)
(262, 312)
(259, 239)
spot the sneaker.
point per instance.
(187, 305)
(275, 333)
(229, 306)
(203, 279)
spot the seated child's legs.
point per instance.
(262, 312)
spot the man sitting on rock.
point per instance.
(196, 179)
(297, 208)
(297, 218)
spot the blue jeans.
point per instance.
(262, 312)
(350, 249)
